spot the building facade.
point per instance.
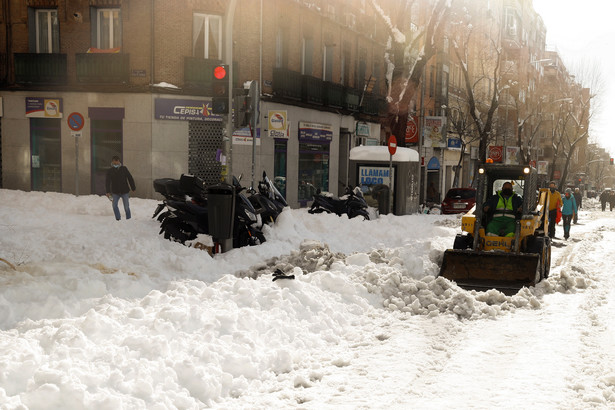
(83, 80)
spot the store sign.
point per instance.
(495, 153)
(242, 136)
(315, 132)
(277, 124)
(37, 107)
(433, 164)
(363, 129)
(454, 143)
(184, 110)
(412, 130)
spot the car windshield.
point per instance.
(461, 193)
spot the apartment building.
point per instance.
(83, 80)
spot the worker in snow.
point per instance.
(503, 207)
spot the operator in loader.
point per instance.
(503, 208)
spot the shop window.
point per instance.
(279, 165)
(46, 154)
(313, 169)
(207, 36)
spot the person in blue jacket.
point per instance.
(569, 209)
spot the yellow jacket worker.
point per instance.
(555, 202)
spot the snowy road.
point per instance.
(99, 314)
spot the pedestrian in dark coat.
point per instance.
(579, 199)
(604, 197)
(119, 183)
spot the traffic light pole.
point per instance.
(227, 138)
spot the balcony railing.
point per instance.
(352, 97)
(33, 68)
(371, 104)
(334, 95)
(197, 72)
(312, 90)
(287, 84)
(103, 68)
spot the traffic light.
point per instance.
(611, 161)
(219, 89)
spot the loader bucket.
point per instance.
(507, 272)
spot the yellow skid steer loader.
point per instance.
(481, 262)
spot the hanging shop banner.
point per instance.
(512, 155)
(433, 132)
(495, 153)
(315, 132)
(412, 130)
(454, 143)
(541, 166)
(277, 124)
(184, 110)
(362, 130)
(242, 136)
(37, 107)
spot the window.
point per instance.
(345, 69)
(281, 48)
(106, 28)
(207, 36)
(306, 56)
(327, 63)
(47, 31)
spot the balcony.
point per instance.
(102, 68)
(334, 95)
(287, 84)
(312, 90)
(198, 72)
(371, 104)
(33, 68)
(352, 98)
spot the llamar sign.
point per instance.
(374, 175)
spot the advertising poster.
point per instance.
(37, 107)
(541, 166)
(513, 155)
(432, 134)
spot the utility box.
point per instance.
(369, 169)
(220, 210)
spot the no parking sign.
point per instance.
(75, 121)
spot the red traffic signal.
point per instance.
(220, 72)
(611, 161)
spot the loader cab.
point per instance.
(524, 179)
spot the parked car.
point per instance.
(458, 200)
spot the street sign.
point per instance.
(75, 121)
(392, 145)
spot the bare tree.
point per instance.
(460, 123)
(411, 45)
(476, 47)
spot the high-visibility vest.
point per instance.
(504, 207)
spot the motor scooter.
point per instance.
(352, 203)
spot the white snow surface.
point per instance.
(101, 314)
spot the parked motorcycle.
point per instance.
(183, 213)
(267, 201)
(352, 204)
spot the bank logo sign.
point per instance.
(37, 107)
(277, 124)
